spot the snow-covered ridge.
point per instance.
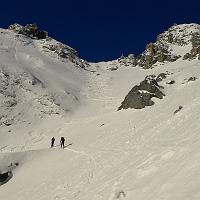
(39, 77)
(48, 44)
(179, 34)
(178, 42)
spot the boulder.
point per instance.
(5, 177)
(170, 82)
(141, 95)
(161, 76)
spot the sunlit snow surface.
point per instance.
(147, 154)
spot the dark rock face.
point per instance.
(5, 177)
(161, 76)
(123, 61)
(140, 95)
(195, 51)
(170, 82)
(192, 79)
(30, 30)
(161, 50)
(157, 52)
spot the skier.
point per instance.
(52, 142)
(62, 142)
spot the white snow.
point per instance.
(129, 154)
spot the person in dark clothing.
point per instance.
(62, 142)
(52, 142)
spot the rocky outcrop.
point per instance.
(163, 49)
(170, 82)
(129, 60)
(123, 61)
(195, 51)
(30, 30)
(192, 78)
(141, 95)
(5, 177)
(157, 52)
(161, 76)
(154, 52)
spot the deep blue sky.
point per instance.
(101, 30)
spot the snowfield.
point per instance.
(144, 154)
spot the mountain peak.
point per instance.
(179, 34)
(47, 44)
(179, 41)
(30, 30)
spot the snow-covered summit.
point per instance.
(175, 43)
(180, 35)
(171, 45)
(48, 44)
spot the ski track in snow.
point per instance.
(91, 158)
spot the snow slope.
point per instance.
(150, 153)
